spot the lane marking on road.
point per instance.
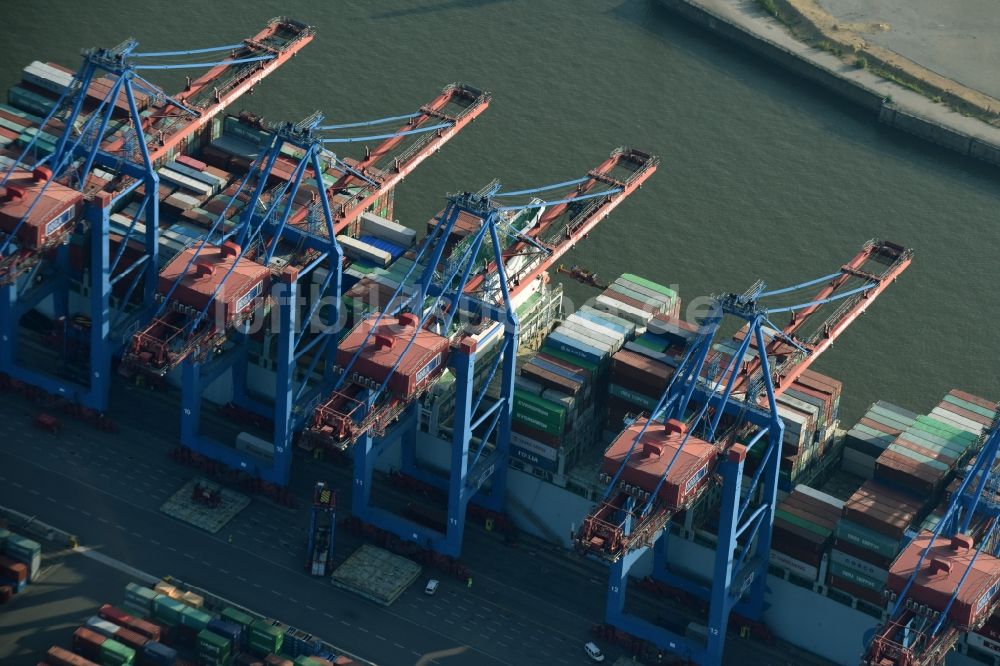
(449, 621)
(34, 492)
(276, 593)
(399, 646)
(345, 623)
(122, 528)
(70, 507)
(258, 586)
(310, 607)
(204, 563)
(50, 499)
(223, 571)
(16, 484)
(86, 513)
(104, 520)
(189, 556)
(360, 628)
(129, 502)
(241, 579)
(294, 601)
(136, 535)
(379, 638)
(154, 542)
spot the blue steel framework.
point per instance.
(914, 634)
(305, 358)
(702, 391)
(299, 341)
(71, 162)
(448, 281)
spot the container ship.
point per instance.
(160, 239)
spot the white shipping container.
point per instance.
(254, 445)
(623, 310)
(102, 626)
(612, 341)
(379, 227)
(618, 336)
(797, 567)
(360, 250)
(957, 421)
(199, 188)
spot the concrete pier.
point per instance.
(742, 22)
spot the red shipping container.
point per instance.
(423, 361)
(939, 574)
(88, 643)
(13, 570)
(566, 365)
(57, 656)
(145, 628)
(188, 161)
(906, 473)
(550, 380)
(972, 416)
(131, 638)
(113, 614)
(882, 508)
(651, 457)
(622, 298)
(641, 373)
(974, 399)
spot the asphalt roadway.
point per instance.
(529, 604)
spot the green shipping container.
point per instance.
(649, 284)
(141, 597)
(265, 638)
(537, 412)
(114, 653)
(195, 619)
(212, 644)
(237, 617)
(801, 522)
(168, 610)
(867, 539)
(958, 402)
(854, 576)
(634, 397)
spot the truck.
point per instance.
(322, 523)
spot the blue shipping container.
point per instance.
(227, 630)
(575, 348)
(159, 654)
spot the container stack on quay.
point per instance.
(170, 626)
(20, 562)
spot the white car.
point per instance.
(432, 587)
(593, 652)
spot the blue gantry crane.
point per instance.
(437, 318)
(52, 192)
(716, 409)
(946, 581)
(276, 272)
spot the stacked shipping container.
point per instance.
(869, 536)
(20, 561)
(804, 523)
(554, 400)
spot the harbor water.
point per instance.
(763, 176)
